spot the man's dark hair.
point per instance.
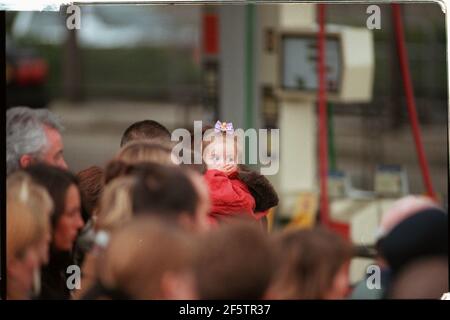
(163, 190)
(145, 130)
(422, 235)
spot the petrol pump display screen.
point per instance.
(299, 63)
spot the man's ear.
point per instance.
(26, 160)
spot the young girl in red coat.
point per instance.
(235, 191)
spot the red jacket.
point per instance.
(229, 197)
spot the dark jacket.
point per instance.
(54, 276)
(260, 188)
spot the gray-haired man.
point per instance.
(33, 135)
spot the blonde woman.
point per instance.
(115, 205)
(23, 235)
(21, 189)
(114, 210)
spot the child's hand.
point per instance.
(229, 169)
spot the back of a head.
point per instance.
(308, 261)
(25, 133)
(421, 235)
(234, 262)
(423, 279)
(91, 185)
(164, 190)
(156, 189)
(145, 130)
(22, 230)
(20, 188)
(144, 151)
(141, 253)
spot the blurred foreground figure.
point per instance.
(146, 259)
(146, 189)
(234, 262)
(33, 135)
(312, 264)
(424, 279)
(155, 189)
(22, 255)
(400, 211)
(24, 194)
(421, 236)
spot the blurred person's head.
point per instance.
(90, 182)
(422, 279)
(115, 206)
(234, 262)
(23, 235)
(118, 168)
(33, 136)
(144, 151)
(20, 188)
(148, 259)
(312, 264)
(167, 191)
(146, 130)
(62, 187)
(157, 189)
(402, 209)
(424, 234)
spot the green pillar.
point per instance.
(249, 70)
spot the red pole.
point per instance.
(210, 29)
(408, 87)
(323, 136)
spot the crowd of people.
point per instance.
(143, 227)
